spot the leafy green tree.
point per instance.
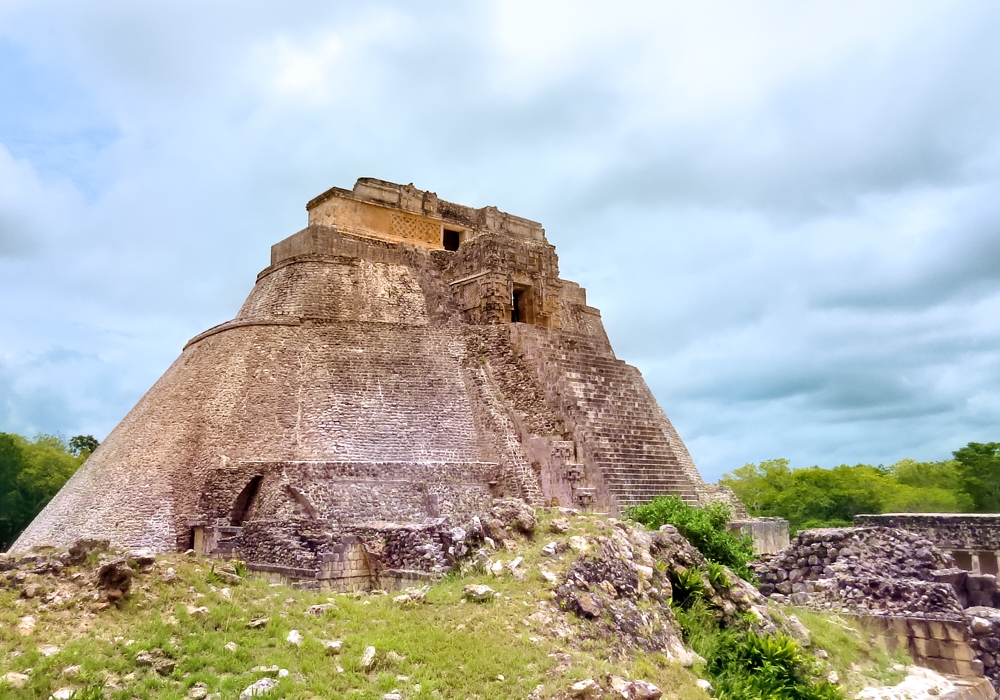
(78, 444)
(815, 497)
(11, 501)
(979, 470)
(31, 473)
(941, 475)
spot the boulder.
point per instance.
(589, 605)
(560, 525)
(479, 593)
(586, 690)
(265, 686)
(515, 513)
(17, 680)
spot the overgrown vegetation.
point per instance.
(705, 527)
(31, 473)
(816, 497)
(744, 665)
(743, 662)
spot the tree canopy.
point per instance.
(816, 497)
(31, 473)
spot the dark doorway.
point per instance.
(243, 502)
(988, 563)
(963, 560)
(521, 305)
(451, 239)
(517, 307)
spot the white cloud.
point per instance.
(786, 212)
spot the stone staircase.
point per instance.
(622, 426)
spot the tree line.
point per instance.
(31, 473)
(816, 497)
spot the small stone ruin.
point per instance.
(902, 585)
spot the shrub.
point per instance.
(743, 665)
(749, 666)
(687, 585)
(718, 576)
(703, 526)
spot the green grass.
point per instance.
(855, 653)
(449, 648)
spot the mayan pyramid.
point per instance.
(402, 362)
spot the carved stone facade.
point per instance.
(402, 362)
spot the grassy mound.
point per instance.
(173, 636)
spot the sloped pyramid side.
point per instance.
(329, 360)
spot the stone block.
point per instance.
(945, 666)
(957, 651)
(937, 630)
(926, 647)
(898, 626)
(955, 631)
(969, 668)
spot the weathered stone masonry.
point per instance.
(401, 363)
(973, 539)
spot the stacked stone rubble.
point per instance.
(859, 570)
(906, 588)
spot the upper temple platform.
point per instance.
(405, 214)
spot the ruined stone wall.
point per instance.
(973, 539)
(900, 584)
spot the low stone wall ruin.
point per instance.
(770, 535)
(972, 539)
(900, 585)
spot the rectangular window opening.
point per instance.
(450, 239)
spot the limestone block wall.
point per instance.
(319, 242)
(349, 290)
(347, 567)
(770, 535)
(945, 645)
(390, 211)
(295, 390)
(303, 550)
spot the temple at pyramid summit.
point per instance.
(403, 365)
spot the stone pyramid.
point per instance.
(402, 363)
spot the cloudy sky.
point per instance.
(789, 213)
